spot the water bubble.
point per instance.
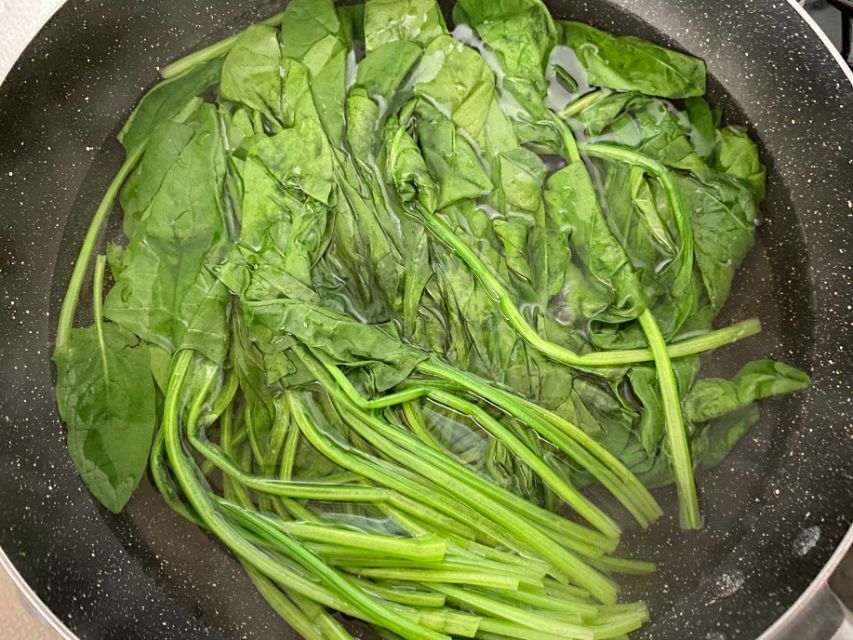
(806, 540)
(729, 583)
(715, 635)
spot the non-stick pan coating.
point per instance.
(775, 510)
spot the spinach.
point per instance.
(521, 35)
(165, 101)
(251, 73)
(596, 247)
(166, 294)
(106, 398)
(385, 68)
(711, 398)
(628, 63)
(450, 159)
(392, 312)
(723, 214)
(312, 33)
(737, 155)
(417, 21)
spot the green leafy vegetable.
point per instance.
(628, 63)
(394, 296)
(106, 398)
(713, 397)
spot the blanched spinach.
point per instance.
(400, 292)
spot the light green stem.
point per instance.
(351, 598)
(426, 548)
(493, 607)
(585, 101)
(98, 302)
(81, 265)
(676, 435)
(591, 513)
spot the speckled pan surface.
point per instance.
(774, 511)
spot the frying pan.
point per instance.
(776, 512)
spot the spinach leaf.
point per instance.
(377, 358)
(300, 159)
(401, 21)
(165, 101)
(737, 155)
(716, 440)
(452, 162)
(312, 34)
(595, 245)
(456, 81)
(385, 68)
(521, 34)
(352, 22)
(713, 397)
(631, 64)
(165, 293)
(164, 147)
(106, 398)
(251, 73)
(723, 214)
(651, 424)
(703, 126)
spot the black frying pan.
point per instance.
(775, 510)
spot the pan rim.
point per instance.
(775, 630)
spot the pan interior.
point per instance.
(697, 570)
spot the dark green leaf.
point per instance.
(379, 358)
(106, 398)
(166, 294)
(737, 155)
(453, 163)
(631, 64)
(384, 70)
(166, 100)
(574, 199)
(312, 34)
(713, 397)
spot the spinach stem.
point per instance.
(401, 438)
(412, 414)
(81, 265)
(569, 494)
(401, 593)
(624, 566)
(417, 447)
(493, 607)
(427, 548)
(97, 303)
(474, 578)
(283, 606)
(351, 599)
(566, 436)
(676, 434)
(463, 489)
(587, 100)
(368, 608)
(585, 508)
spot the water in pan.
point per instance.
(206, 583)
